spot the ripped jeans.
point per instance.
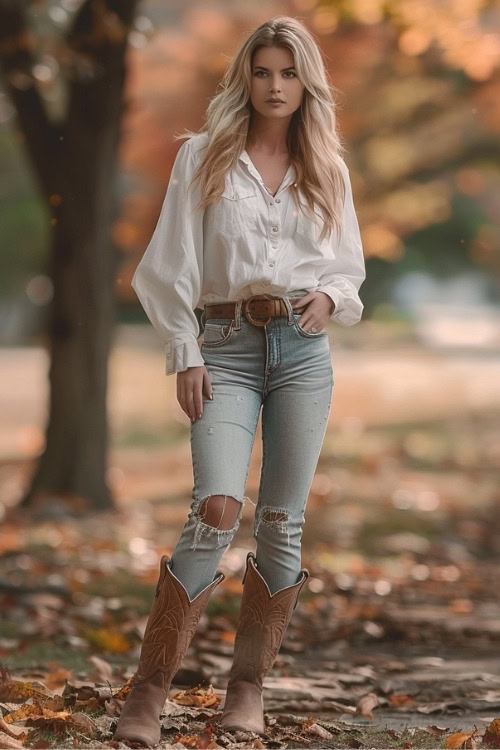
(288, 372)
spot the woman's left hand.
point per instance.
(319, 309)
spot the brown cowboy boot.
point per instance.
(171, 625)
(262, 624)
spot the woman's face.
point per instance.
(274, 77)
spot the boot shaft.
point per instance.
(171, 625)
(263, 620)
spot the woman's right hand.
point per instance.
(191, 384)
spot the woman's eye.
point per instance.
(291, 72)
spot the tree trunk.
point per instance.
(75, 164)
(72, 467)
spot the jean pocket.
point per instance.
(216, 334)
(303, 332)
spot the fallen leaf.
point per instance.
(200, 697)
(124, 691)
(57, 676)
(8, 741)
(188, 740)
(365, 705)
(54, 703)
(461, 739)
(113, 707)
(205, 741)
(83, 722)
(491, 735)
(16, 732)
(103, 671)
(14, 691)
(318, 731)
(439, 731)
(91, 705)
(401, 700)
(24, 712)
(108, 640)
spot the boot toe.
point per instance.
(244, 709)
(140, 718)
(143, 735)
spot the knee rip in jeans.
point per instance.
(219, 516)
(275, 519)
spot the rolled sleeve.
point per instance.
(168, 279)
(348, 270)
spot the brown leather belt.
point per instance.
(258, 309)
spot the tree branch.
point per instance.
(17, 44)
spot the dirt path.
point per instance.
(383, 386)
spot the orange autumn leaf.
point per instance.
(108, 640)
(48, 714)
(24, 712)
(14, 691)
(123, 692)
(199, 697)
(401, 700)
(188, 740)
(461, 739)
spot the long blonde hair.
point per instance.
(314, 145)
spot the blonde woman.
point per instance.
(258, 229)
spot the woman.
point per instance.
(258, 228)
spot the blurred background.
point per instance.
(402, 527)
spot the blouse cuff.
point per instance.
(348, 311)
(181, 355)
(335, 295)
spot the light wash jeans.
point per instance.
(288, 373)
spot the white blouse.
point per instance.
(247, 243)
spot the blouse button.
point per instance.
(278, 200)
(275, 229)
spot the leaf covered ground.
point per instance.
(394, 643)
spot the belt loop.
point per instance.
(289, 308)
(237, 315)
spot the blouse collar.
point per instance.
(288, 179)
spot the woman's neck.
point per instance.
(268, 137)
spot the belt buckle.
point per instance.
(248, 314)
